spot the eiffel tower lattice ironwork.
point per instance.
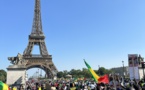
(30, 60)
(37, 38)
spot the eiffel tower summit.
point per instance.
(16, 73)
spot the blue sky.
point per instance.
(103, 32)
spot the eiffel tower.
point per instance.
(21, 63)
(37, 38)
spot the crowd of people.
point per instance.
(115, 83)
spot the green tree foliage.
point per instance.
(86, 73)
(108, 71)
(60, 74)
(65, 72)
(83, 73)
(73, 72)
(103, 71)
(3, 75)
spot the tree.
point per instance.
(65, 72)
(108, 71)
(76, 73)
(83, 73)
(3, 75)
(86, 73)
(60, 74)
(102, 71)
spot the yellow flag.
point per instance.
(39, 88)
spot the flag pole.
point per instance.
(114, 80)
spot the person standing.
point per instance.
(92, 86)
(53, 87)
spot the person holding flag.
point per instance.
(98, 79)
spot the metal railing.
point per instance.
(37, 55)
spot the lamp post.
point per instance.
(123, 69)
(99, 69)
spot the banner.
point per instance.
(133, 66)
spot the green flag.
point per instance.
(95, 76)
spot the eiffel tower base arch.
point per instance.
(16, 75)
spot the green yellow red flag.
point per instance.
(95, 76)
(3, 86)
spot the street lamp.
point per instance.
(123, 68)
(99, 69)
